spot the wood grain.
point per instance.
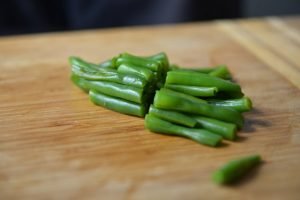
(55, 144)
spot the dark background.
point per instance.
(30, 16)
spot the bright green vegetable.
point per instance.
(221, 71)
(80, 83)
(171, 100)
(113, 89)
(235, 169)
(194, 90)
(173, 116)
(202, 80)
(162, 58)
(204, 70)
(117, 104)
(111, 63)
(136, 70)
(201, 136)
(126, 58)
(243, 104)
(225, 129)
(76, 61)
(110, 75)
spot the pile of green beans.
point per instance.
(201, 104)
(125, 83)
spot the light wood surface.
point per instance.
(55, 144)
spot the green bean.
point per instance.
(126, 58)
(111, 63)
(173, 116)
(221, 71)
(225, 129)
(243, 104)
(117, 104)
(161, 58)
(125, 92)
(76, 61)
(194, 90)
(136, 70)
(204, 70)
(235, 169)
(80, 83)
(171, 100)
(110, 75)
(201, 136)
(202, 80)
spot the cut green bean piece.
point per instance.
(243, 104)
(161, 58)
(201, 136)
(225, 129)
(111, 63)
(235, 169)
(204, 70)
(76, 61)
(202, 80)
(136, 70)
(79, 82)
(171, 100)
(221, 71)
(115, 90)
(110, 75)
(194, 90)
(117, 104)
(173, 116)
(139, 61)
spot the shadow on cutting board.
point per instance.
(251, 123)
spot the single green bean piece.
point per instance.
(161, 57)
(235, 169)
(225, 129)
(221, 71)
(111, 63)
(110, 75)
(79, 82)
(136, 70)
(173, 116)
(243, 104)
(205, 70)
(202, 80)
(201, 136)
(125, 92)
(126, 58)
(117, 104)
(171, 100)
(76, 61)
(194, 90)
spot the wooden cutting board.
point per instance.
(55, 144)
